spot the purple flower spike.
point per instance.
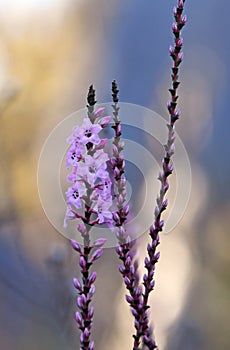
(167, 168)
(124, 250)
(89, 194)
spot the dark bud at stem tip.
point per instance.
(115, 91)
(91, 96)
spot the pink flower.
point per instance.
(72, 177)
(97, 161)
(75, 193)
(99, 112)
(70, 215)
(104, 121)
(88, 132)
(102, 210)
(74, 155)
(103, 189)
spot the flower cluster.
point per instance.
(91, 184)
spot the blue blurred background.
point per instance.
(50, 51)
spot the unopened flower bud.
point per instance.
(81, 228)
(116, 218)
(92, 277)
(174, 27)
(127, 281)
(171, 50)
(115, 151)
(96, 255)
(76, 246)
(91, 346)
(128, 262)
(77, 284)
(91, 312)
(99, 242)
(82, 262)
(104, 121)
(129, 299)
(181, 56)
(99, 112)
(184, 19)
(92, 291)
(180, 4)
(78, 318)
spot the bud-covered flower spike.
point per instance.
(167, 166)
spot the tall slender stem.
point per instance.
(167, 166)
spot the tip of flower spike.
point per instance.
(91, 96)
(115, 91)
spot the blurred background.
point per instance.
(50, 51)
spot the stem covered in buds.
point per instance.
(124, 249)
(167, 166)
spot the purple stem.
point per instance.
(167, 166)
(125, 250)
(86, 289)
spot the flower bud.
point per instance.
(81, 228)
(92, 277)
(91, 346)
(99, 242)
(129, 299)
(147, 262)
(76, 246)
(104, 121)
(96, 255)
(184, 19)
(91, 291)
(128, 262)
(77, 284)
(174, 27)
(99, 112)
(91, 312)
(115, 151)
(127, 281)
(82, 262)
(78, 318)
(180, 4)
